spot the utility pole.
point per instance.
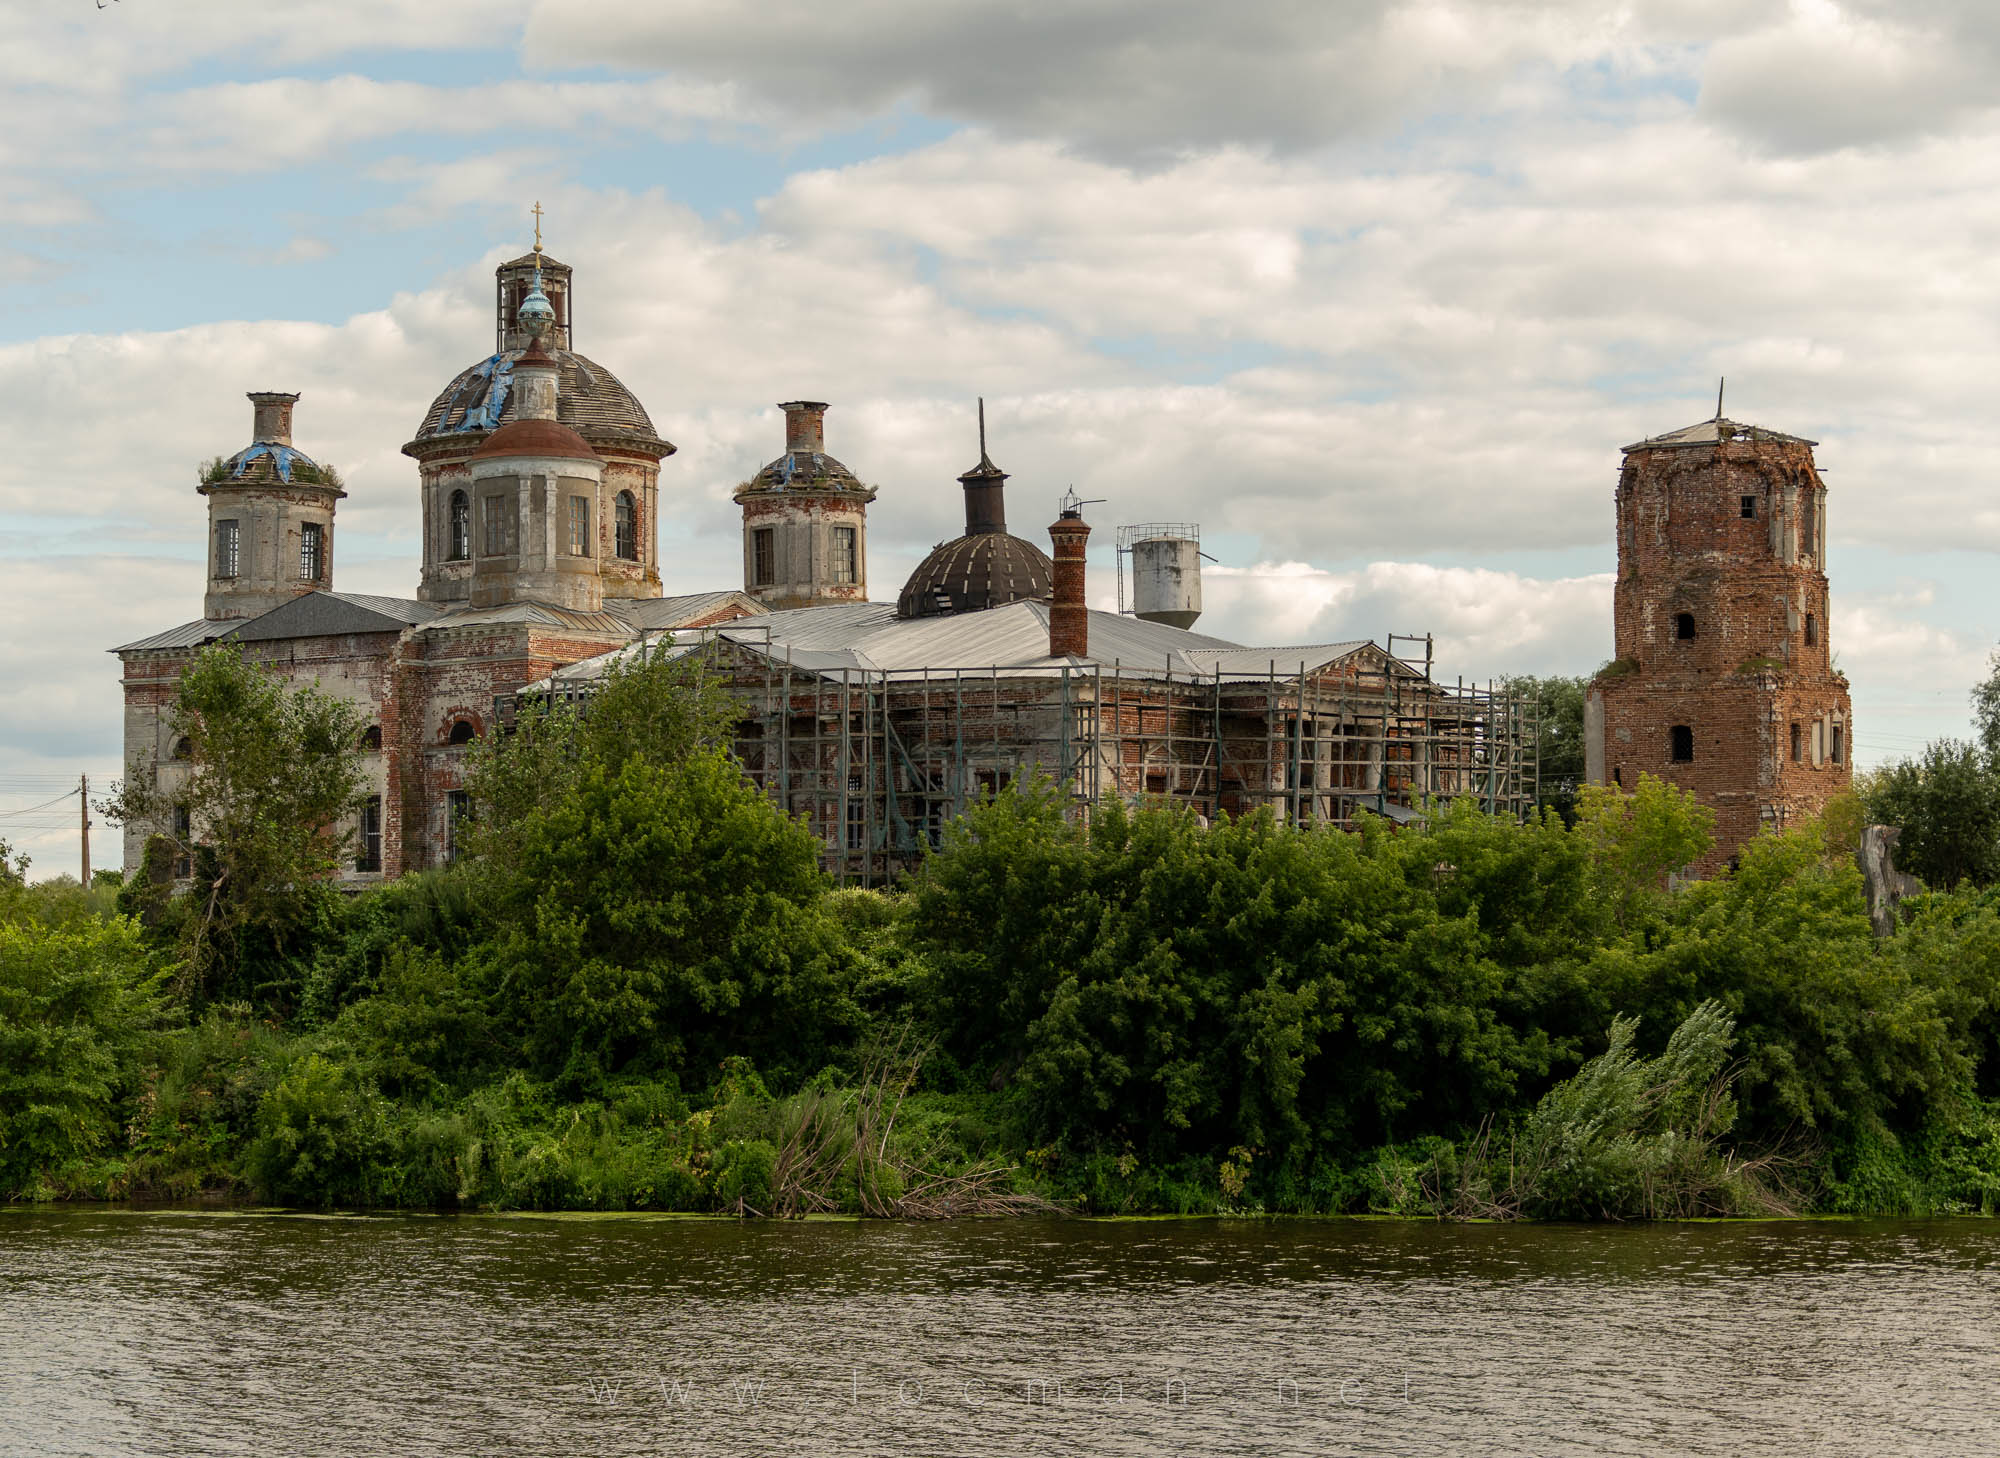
(83, 795)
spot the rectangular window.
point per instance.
(1749, 508)
(312, 551)
(1836, 744)
(228, 548)
(496, 520)
(846, 554)
(457, 811)
(763, 556)
(1798, 744)
(368, 847)
(579, 526)
(1681, 744)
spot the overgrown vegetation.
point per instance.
(640, 992)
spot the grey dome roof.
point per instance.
(972, 573)
(589, 399)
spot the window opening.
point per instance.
(457, 811)
(498, 522)
(579, 526)
(368, 853)
(764, 555)
(228, 543)
(1682, 737)
(1684, 625)
(846, 555)
(312, 551)
(627, 527)
(1749, 508)
(461, 527)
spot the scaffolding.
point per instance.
(877, 762)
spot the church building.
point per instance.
(539, 486)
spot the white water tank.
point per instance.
(1166, 571)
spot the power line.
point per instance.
(31, 809)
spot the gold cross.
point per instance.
(537, 211)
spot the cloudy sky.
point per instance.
(1371, 289)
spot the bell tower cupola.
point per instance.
(270, 517)
(805, 521)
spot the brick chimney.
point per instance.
(805, 425)
(271, 418)
(1069, 619)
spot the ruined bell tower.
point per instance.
(1724, 681)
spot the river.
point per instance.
(169, 1333)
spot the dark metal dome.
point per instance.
(589, 400)
(975, 572)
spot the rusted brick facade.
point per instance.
(1723, 682)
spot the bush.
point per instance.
(320, 1137)
(76, 1002)
(742, 1176)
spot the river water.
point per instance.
(168, 1333)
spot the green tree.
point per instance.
(1638, 839)
(665, 917)
(648, 906)
(75, 1002)
(658, 706)
(255, 812)
(1559, 747)
(1947, 804)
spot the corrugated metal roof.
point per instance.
(542, 614)
(868, 638)
(187, 635)
(1708, 432)
(656, 613)
(323, 614)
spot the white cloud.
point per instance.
(1128, 78)
(1825, 77)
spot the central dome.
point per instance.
(589, 400)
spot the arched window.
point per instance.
(1684, 625)
(627, 517)
(462, 732)
(1682, 737)
(184, 748)
(461, 527)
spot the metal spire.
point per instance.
(537, 211)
